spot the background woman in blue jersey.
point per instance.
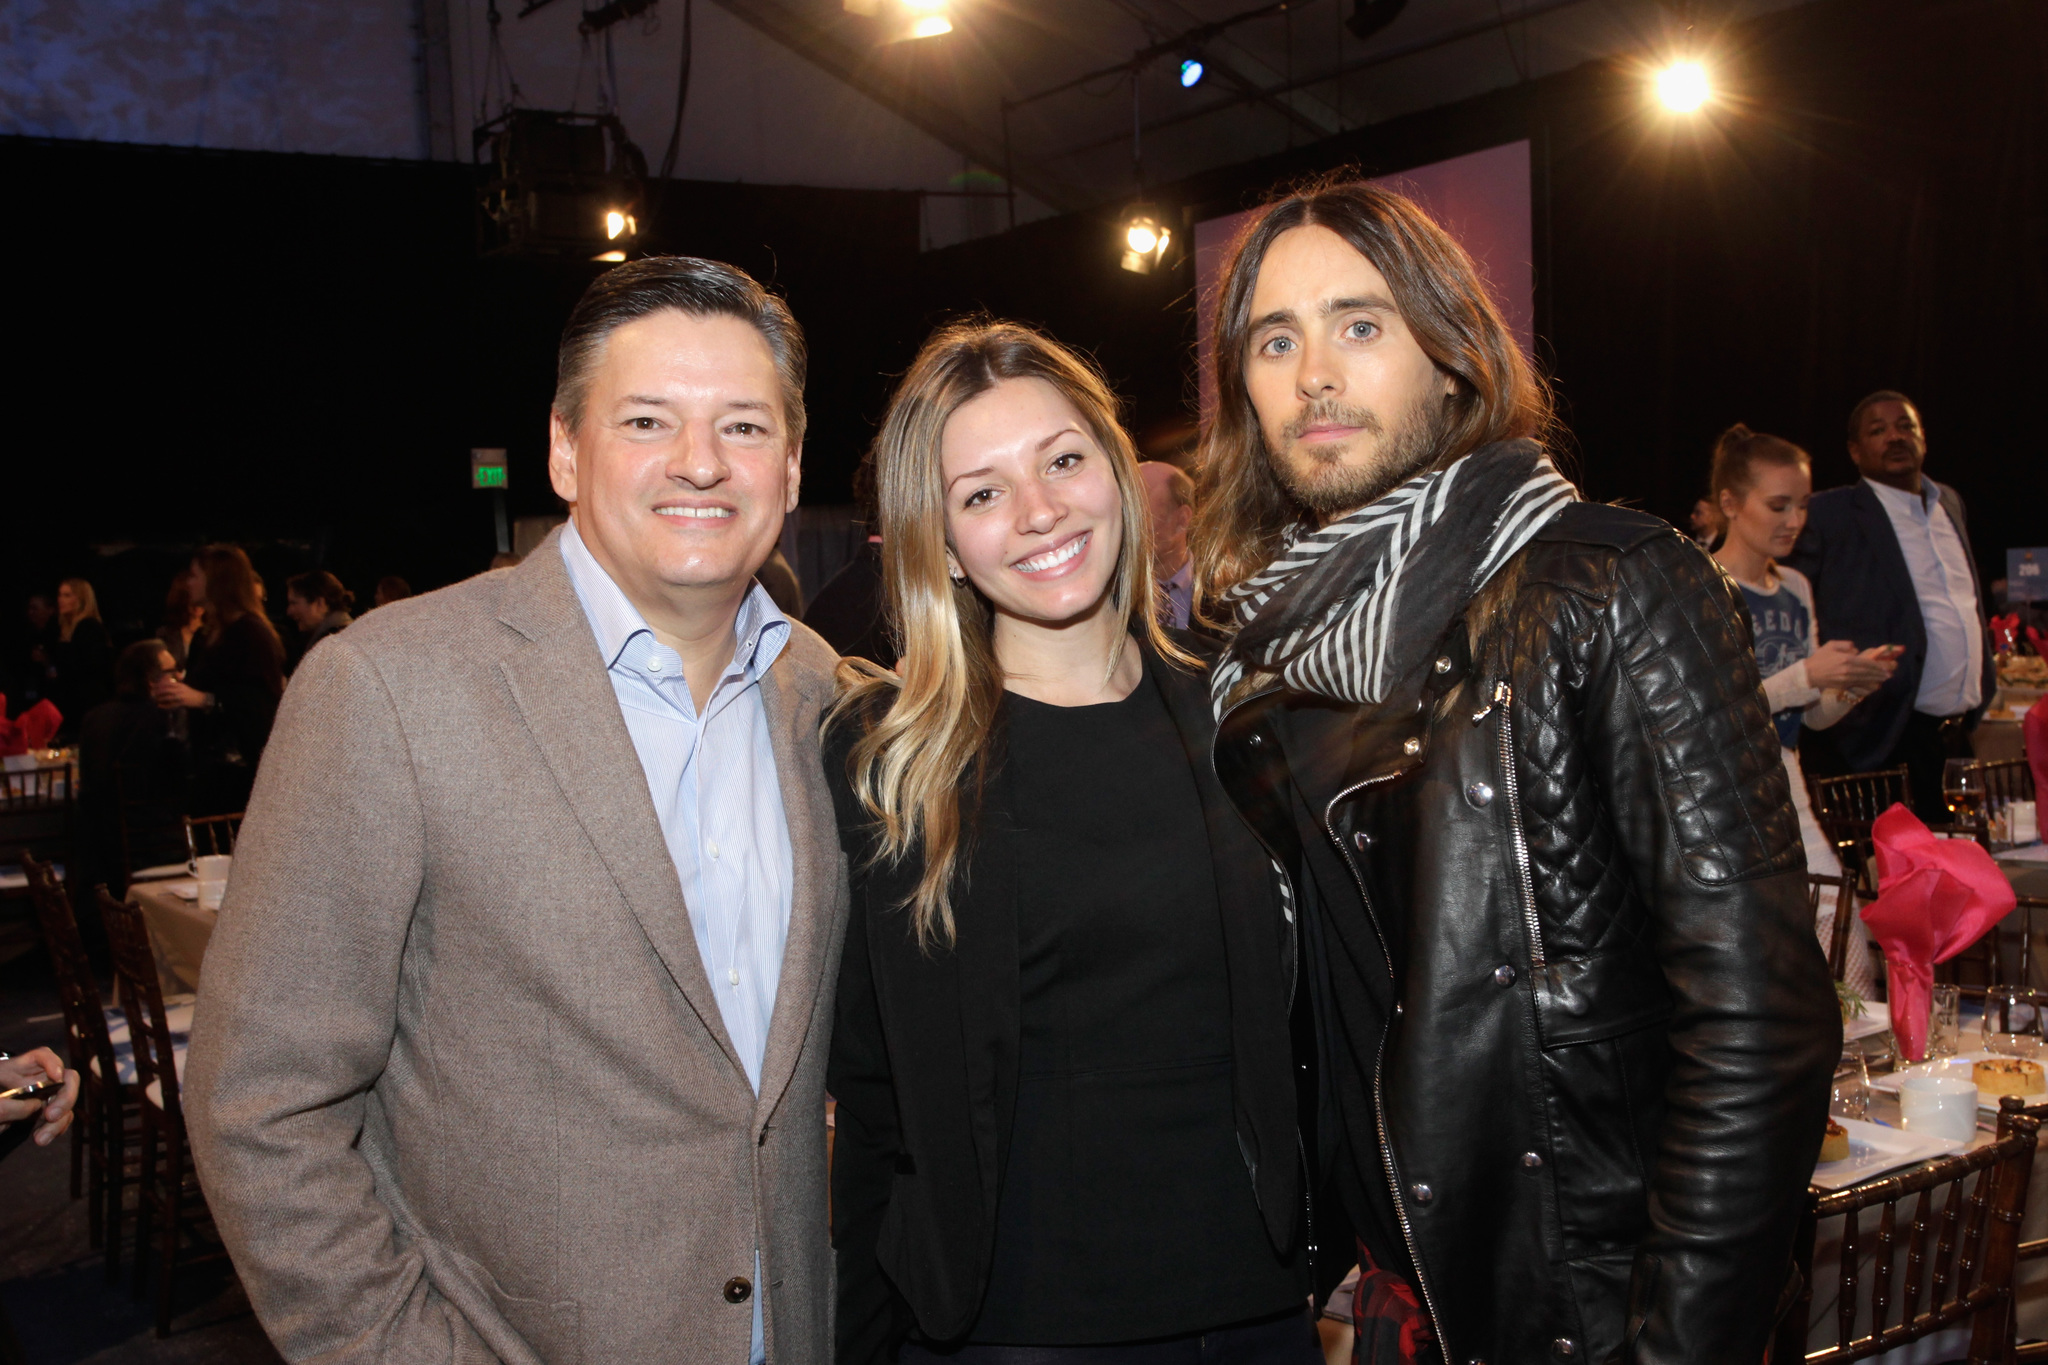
(1761, 485)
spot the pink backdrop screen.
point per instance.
(1482, 199)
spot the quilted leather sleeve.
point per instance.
(1681, 746)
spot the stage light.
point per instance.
(905, 20)
(1190, 73)
(1683, 87)
(930, 26)
(612, 256)
(1145, 241)
(614, 224)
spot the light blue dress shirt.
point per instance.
(712, 776)
(1952, 678)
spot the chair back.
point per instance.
(1846, 807)
(1822, 892)
(142, 996)
(85, 1022)
(1969, 1208)
(206, 835)
(36, 808)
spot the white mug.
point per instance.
(213, 868)
(1939, 1106)
(211, 894)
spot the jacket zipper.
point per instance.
(1379, 1112)
(1503, 697)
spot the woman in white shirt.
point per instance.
(1761, 485)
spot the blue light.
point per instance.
(1190, 73)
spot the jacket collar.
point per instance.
(1883, 539)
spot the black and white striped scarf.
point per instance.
(1349, 610)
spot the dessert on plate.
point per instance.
(2010, 1076)
(1835, 1146)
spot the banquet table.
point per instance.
(179, 929)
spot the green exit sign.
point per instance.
(486, 468)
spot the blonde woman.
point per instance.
(1065, 1106)
(82, 664)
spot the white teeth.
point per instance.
(1054, 558)
(697, 512)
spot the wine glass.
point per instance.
(2012, 1022)
(1962, 786)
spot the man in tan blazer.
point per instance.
(511, 1043)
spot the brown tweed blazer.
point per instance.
(459, 1088)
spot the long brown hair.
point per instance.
(918, 769)
(233, 590)
(1242, 510)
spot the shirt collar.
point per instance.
(1904, 501)
(760, 629)
(1184, 576)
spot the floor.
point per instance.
(53, 1291)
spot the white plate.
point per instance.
(160, 871)
(184, 891)
(2026, 853)
(1958, 1065)
(1877, 1018)
(1875, 1149)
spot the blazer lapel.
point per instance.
(814, 856)
(560, 686)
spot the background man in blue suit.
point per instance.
(1890, 561)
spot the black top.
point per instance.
(81, 671)
(1127, 1209)
(243, 669)
(928, 1044)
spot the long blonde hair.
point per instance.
(88, 607)
(920, 767)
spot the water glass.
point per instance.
(1851, 1098)
(1939, 1106)
(1962, 784)
(1945, 1021)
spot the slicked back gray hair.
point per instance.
(689, 285)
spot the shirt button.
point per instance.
(711, 847)
(1411, 747)
(653, 665)
(1421, 1193)
(1479, 793)
(1504, 975)
(732, 974)
(738, 1289)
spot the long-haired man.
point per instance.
(1508, 751)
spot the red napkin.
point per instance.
(2004, 632)
(2034, 733)
(1935, 898)
(29, 730)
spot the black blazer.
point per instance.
(924, 1058)
(1863, 592)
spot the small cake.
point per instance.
(1835, 1146)
(2009, 1076)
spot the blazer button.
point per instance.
(738, 1289)
(1421, 1193)
(1257, 740)
(1361, 841)
(1504, 975)
(1564, 1348)
(1531, 1160)
(1411, 746)
(1479, 793)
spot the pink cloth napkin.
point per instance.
(1935, 898)
(29, 730)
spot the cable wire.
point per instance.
(675, 136)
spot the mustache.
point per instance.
(1330, 413)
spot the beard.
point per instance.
(1324, 482)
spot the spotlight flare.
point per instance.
(1683, 87)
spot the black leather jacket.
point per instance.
(1603, 1071)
